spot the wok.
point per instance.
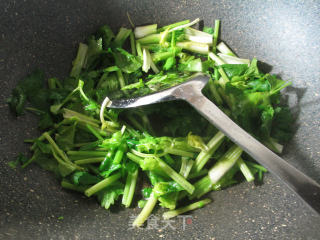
(45, 34)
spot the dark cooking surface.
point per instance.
(284, 34)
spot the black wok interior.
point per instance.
(45, 34)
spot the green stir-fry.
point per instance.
(105, 152)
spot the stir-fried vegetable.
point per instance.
(104, 152)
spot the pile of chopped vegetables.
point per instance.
(105, 152)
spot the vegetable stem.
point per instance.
(224, 163)
(146, 211)
(204, 156)
(130, 188)
(215, 35)
(190, 207)
(102, 184)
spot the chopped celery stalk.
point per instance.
(120, 78)
(194, 47)
(201, 173)
(73, 187)
(245, 170)
(79, 61)
(146, 61)
(134, 158)
(142, 31)
(94, 132)
(204, 156)
(185, 25)
(217, 60)
(176, 176)
(153, 38)
(102, 184)
(224, 163)
(184, 161)
(89, 160)
(179, 152)
(223, 76)
(202, 186)
(274, 145)
(56, 148)
(159, 56)
(215, 35)
(188, 168)
(87, 153)
(190, 207)
(133, 44)
(173, 25)
(223, 48)
(163, 37)
(233, 60)
(129, 188)
(198, 36)
(67, 113)
(146, 211)
(122, 35)
(215, 94)
(139, 50)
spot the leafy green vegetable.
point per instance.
(100, 152)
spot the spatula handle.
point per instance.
(304, 186)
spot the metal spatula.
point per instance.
(190, 91)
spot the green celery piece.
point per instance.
(130, 188)
(146, 211)
(84, 178)
(224, 163)
(191, 66)
(190, 207)
(67, 185)
(65, 136)
(79, 61)
(121, 37)
(89, 160)
(215, 35)
(106, 34)
(152, 38)
(29, 88)
(109, 195)
(206, 154)
(173, 25)
(102, 184)
(127, 62)
(146, 30)
(176, 177)
(245, 170)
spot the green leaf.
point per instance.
(84, 178)
(47, 162)
(209, 30)
(162, 188)
(106, 34)
(109, 195)
(65, 136)
(127, 62)
(45, 121)
(146, 192)
(282, 127)
(20, 160)
(168, 200)
(194, 65)
(234, 69)
(17, 100)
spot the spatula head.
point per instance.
(179, 92)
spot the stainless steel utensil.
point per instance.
(190, 91)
